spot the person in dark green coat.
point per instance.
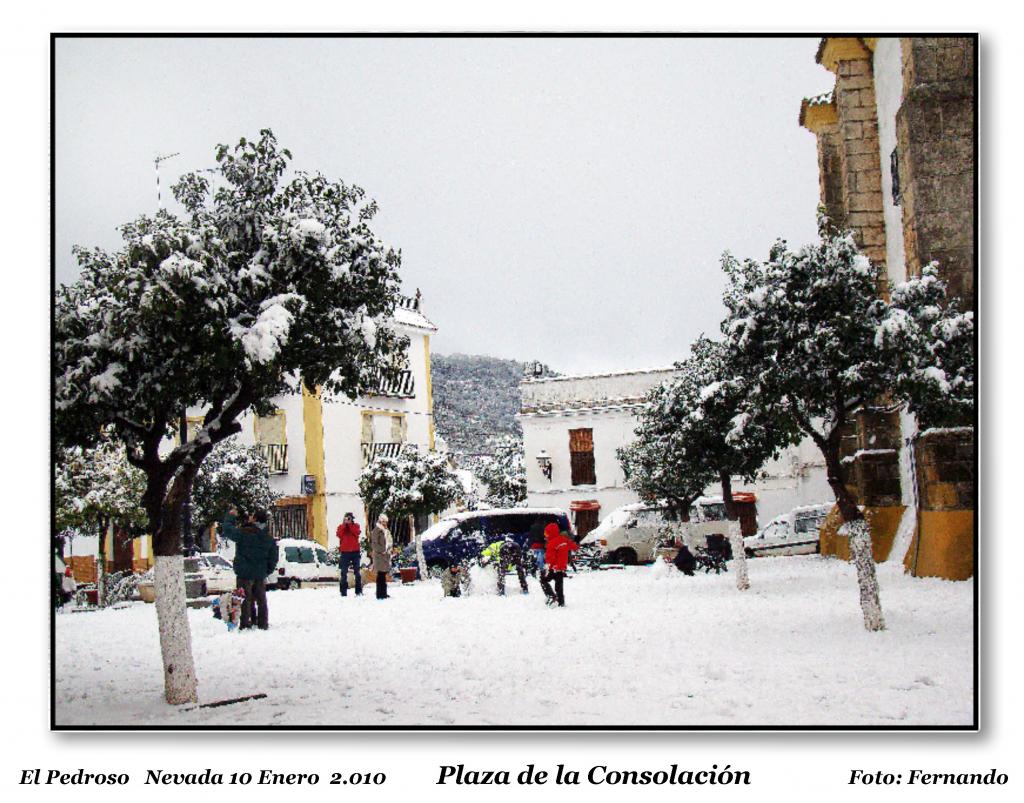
(255, 558)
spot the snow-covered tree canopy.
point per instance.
(657, 465)
(95, 486)
(233, 475)
(931, 344)
(263, 280)
(503, 472)
(809, 335)
(412, 484)
(697, 428)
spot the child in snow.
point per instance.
(455, 581)
(505, 555)
(230, 606)
(559, 545)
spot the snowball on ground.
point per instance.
(644, 646)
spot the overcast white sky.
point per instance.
(557, 199)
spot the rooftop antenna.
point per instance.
(156, 164)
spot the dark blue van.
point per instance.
(464, 536)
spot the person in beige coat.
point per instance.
(380, 551)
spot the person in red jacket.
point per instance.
(556, 556)
(348, 546)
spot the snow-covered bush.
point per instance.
(503, 472)
(233, 474)
(263, 280)
(95, 487)
(410, 485)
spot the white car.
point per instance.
(218, 573)
(301, 561)
(792, 533)
(631, 534)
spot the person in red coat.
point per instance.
(348, 545)
(556, 556)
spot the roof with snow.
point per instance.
(573, 377)
(611, 392)
(408, 313)
(818, 109)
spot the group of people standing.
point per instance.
(380, 544)
(255, 557)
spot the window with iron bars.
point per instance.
(276, 455)
(581, 456)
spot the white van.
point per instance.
(632, 533)
(792, 533)
(300, 560)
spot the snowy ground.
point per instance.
(644, 646)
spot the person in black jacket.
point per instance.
(685, 561)
(255, 557)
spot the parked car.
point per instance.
(303, 561)
(464, 536)
(195, 581)
(218, 573)
(792, 533)
(631, 534)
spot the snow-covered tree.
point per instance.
(263, 280)
(95, 488)
(805, 332)
(233, 474)
(699, 423)
(656, 464)
(503, 472)
(412, 484)
(931, 345)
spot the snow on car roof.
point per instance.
(446, 524)
(659, 504)
(506, 511)
(300, 542)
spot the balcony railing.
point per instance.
(276, 455)
(403, 386)
(371, 451)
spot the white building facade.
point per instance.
(573, 425)
(317, 445)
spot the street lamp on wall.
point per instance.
(544, 461)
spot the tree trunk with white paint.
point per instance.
(421, 560)
(855, 528)
(739, 556)
(867, 580)
(180, 684)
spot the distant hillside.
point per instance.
(475, 398)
